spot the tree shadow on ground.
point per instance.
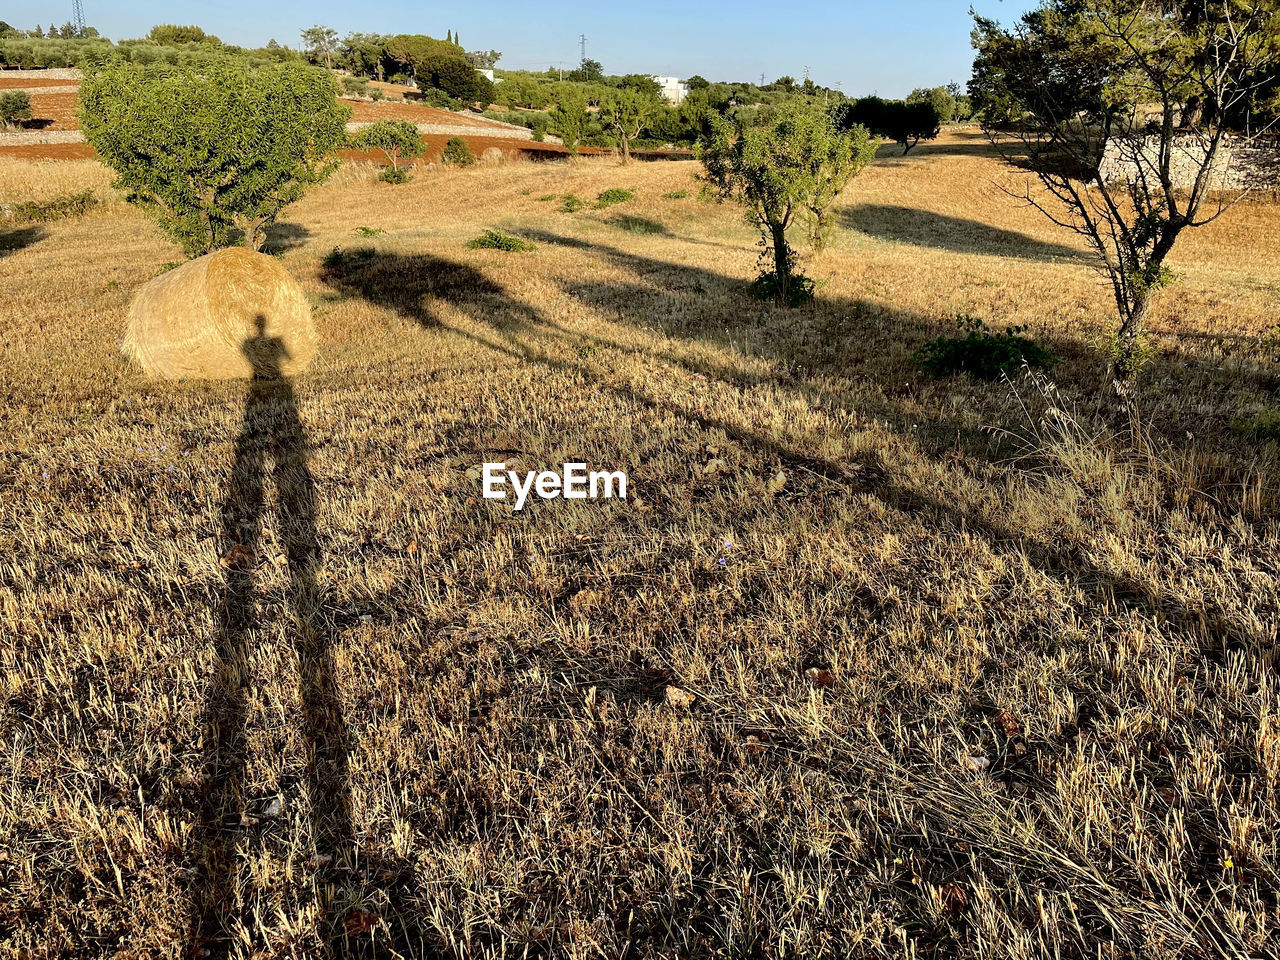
(271, 433)
(14, 240)
(430, 289)
(282, 237)
(925, 229)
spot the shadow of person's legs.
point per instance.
(271, 428)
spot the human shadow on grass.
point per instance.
(14, 240)
(272, 444)
(923, 228)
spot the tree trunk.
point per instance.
(1122, 367)
(781, 266)
(626, 150)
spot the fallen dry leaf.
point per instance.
(953, 899)
(476, 472)
(715, 466)
(776, 483)
(320, 860)
(820, 677)
(358, 922)
(1008, 724)
(977, 762)
(755, 745)
(238, 557)
(412, 547)
(679, 698)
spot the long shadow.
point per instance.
(522, 332)
(285, 236)
(270, 431)
(506, 326)
(925, 229)
(20, 239)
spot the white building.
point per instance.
(672, 90)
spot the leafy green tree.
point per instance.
(570, 118)
(321, 43)
(1075, 77)
(15, 107)
(215, 155)
(697, 82)
(173, 35)
(626, 112)
(397, 139)
(789, 166)
(589, 71)
(484, 59)
(942, 99)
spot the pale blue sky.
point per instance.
(869, 47)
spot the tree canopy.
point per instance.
(215, 156)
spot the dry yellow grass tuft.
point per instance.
(867, 666)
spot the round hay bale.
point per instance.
(492, 155)
(231, 313)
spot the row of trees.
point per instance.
(425, 61)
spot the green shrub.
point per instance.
(539, 129)
(59, 208)
(493, 240)
(437, 98)
(369, 231)
(395, 175)
(457, 153)
(676, 195)
(1263, 425)
(799, 290)
(357, 85)
(377, 94)
(547, 196)
(572, 203)
(612, 196)
(15, 107)
(981, 353)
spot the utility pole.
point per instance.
(77, 16)
(582, 42)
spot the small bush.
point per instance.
(338, 256)
(15, 107)
(1263, 425)
(59, 208)
(369, 231)
(547, 196)
(377, 94)
(572, 203)
(612, 196)
(395, 175)
(800, 290)
(457, 153)
(539, 129)
(357, 85)
(437, 98)
(493, 240)
(676, 195)
(981, 353)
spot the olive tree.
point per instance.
(214, 154)
(627, 111)
(1122, 109)
(396, 139)
(15, 107)
(791, 165)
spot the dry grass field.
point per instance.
(867, 665)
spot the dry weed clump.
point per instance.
(866, 666)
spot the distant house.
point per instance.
(488, 74)
(672, 90)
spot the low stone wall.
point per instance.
(35, 76)
(1240, 164)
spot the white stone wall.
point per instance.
(1239, 165)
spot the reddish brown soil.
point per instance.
(18, 83)
(365, 111)
(60, 108)
(48, 151)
